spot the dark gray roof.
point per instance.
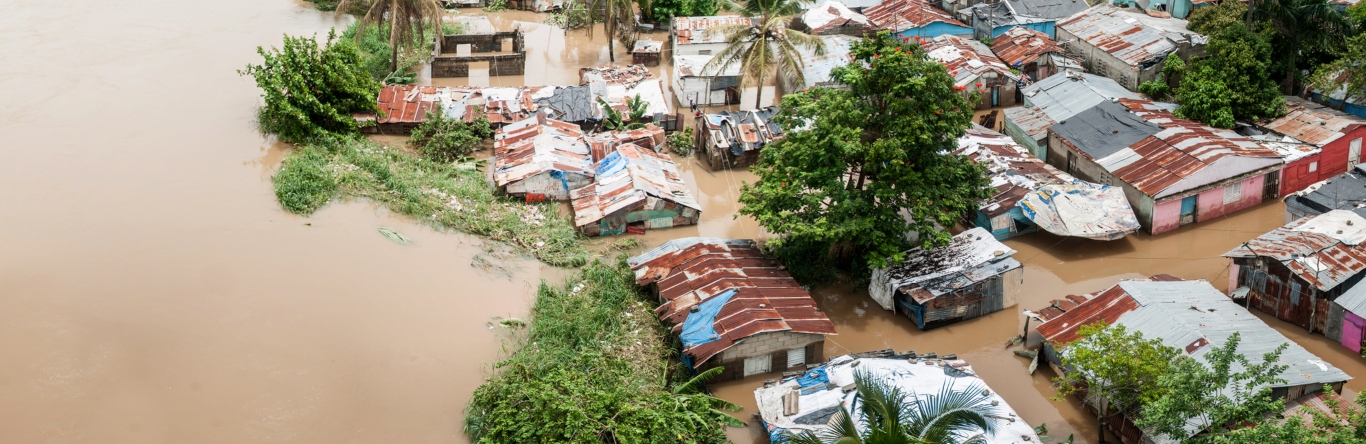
(574, 103)
(1345, 192)
(1353, 300)
(1104, 129)
(1019, 12)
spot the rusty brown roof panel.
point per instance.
(1312, 123)
(1021, 46)
(1106, 306)
(900, 15)
(1324, 250)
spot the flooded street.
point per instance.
(152, 290)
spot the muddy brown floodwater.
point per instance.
(153, 291)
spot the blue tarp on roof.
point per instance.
(697, 328)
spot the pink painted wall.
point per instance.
(1167, 216)
(1232, 278)
(1210, 204)
(1351, 331)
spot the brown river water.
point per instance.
(153, 291)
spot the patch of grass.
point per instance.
(594, 367)
(444, 195)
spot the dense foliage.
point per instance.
(443, 194)
(768, 44)
(408, 23)
(594, 368)
(889, 415)
(1300, 30)
(1213, 19)
(444, 139)
(665, 10)
(1221, 396)
(1173, 69)
(373, 43)
(869, 165)
(1119, 367)
(311, 91)
(1348, 72)
(1233, 82)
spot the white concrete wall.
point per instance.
(768, 343)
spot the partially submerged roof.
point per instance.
(1313, 123)
(1194, 318)
(819, 393)
(1144, 144)
(1325, 250)
(740, 132)
(900, 15)
(832, 14)
(1344, 192)
(626, 177)
(966, 59)
(1014, 171)
(695, 30)
(647, 46)
(409, 104)
(972, 256)
(537, 145)
(816, 69)
(762, 297)
(1127, 36)
(1021, 46)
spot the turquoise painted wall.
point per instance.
(937, 29)
(1049, 28)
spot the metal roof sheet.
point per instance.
(1324, 250)
(1344, 192)
(900, 15)
(832, 14)
(1021, 46)
(1353, 300)
(1313, 123)
(972, 256)
(1014, 171)
(743, 131)
(695, 30)
(1068, 94)
(536, 145)
(691, 270)
(1123, 35)
(628, 76)
(630, 175)
(409, 104)
(816, 68)
(695, 66)
(966, 59)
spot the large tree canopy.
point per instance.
(864, 166)
(1233, 82)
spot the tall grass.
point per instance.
(443, 195)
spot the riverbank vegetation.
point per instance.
(594, 366)
(310, 90)
(446, 195)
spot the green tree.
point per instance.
(1305, 25)
(665, 10)
(868, 165)
(618, 18)
(1348, 426)
(407, 20)
(1173, 68)
(444, 139)
(767, 44)
(1233, 82)
(1117, 370)
(1221, 394)
(893, 416)
(311, 90)
(1212, 19)
(1347, 73)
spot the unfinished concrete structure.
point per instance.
(453, 54)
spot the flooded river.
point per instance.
(153, 291)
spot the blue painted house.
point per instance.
(1175, 8)
(1038, 15)
(915, 18)
(1356, 107)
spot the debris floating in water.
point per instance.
(395, 236)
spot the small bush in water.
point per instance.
(444, 139)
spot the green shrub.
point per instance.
(310, 91)
(375, 53)
(681, 142)
(444, 139)
(305, 182)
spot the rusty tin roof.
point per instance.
(900, 15)
(967, 59)
(695, 30)
(1014, 171)
(1021, 46)
(628, 176)
(536, 145)
(1325, 250)
(1313, 123)
(1123, 35)
(691, 270)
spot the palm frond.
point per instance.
(694, 385)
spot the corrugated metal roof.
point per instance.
(966, 59)
(972, 256)
(694, 66)
(1344, 192)
(628, 76)
(409, 104)
(1014, 171)
(1024, 12)
(1312, 123)
(1021, 46)
(630, 175)
(532, 146)
(743, 131)
(832, 14)
(1353, 300)
(1191, 316)
(1121, 34)
(647, 46)
(694, 30)
(1324, 250)
(900, 15)
(1065, 95)
(816, 69)
(691, 270)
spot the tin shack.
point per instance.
(915, 18)
(1190, 316)
(1347, 319)
(634, 189)
(1334, 140)
(733, 139)
(732, 307)
(1344, 192)
(972, 276)
(1295, 271)
(540, 159)
(807, 401)
(975, 68)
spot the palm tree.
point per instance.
(1306, 25)
(767, 43)
(407, 20)
(889, 415)
(618, 19)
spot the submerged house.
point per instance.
(1347, 319)
(834, 18)
(732, 307)
(1344, 192)
(915, 18)
(634, 189)
(1295, 271)
(808, 401)
(1056, 99)
(479, 43)
(540, 158)
(404, 107)
(990, 20)
(1031, 194)
(972, 276)
(1174, 171)
(1194, 318)
(1034, 53)
(1127, 46)
(733, 140)
(975, 68)
(1332, 142)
